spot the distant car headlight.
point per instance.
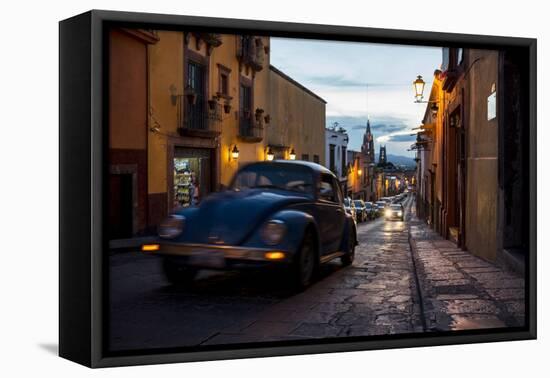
(171, 227)
(387, 212)
(273, 232)
(399, 213)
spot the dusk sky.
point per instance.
(360, 80)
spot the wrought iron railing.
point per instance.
(199, 115)
(249, 127)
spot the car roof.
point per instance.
(308, 164)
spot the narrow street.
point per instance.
(377, 295)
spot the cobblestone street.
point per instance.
(377, 295)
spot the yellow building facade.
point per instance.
(216, 104)
(208, 98)
(297, 125)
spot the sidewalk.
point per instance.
(460, 290)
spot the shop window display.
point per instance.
(186, 183)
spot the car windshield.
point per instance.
(358, 203)
(396, 207)
(294, 178)
(368, 205)
(346, 202)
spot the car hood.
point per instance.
(230, 217)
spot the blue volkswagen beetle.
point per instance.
(281, 213)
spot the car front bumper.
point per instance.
(394, 216)
(214, 256)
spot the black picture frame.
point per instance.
(83, 163)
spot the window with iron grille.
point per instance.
(245, 110)
(223, 80)
(196, 112)
(223, 84)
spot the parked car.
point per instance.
(287, 214)
(349, 206)
(371, 210)
(394, 211)
(380, 207)
(360, 210)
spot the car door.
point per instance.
(331, 214)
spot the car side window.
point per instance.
(327, 191)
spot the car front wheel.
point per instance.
(348, 258)
(177, 274)
(305, 264)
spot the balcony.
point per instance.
(450, 79)
(212, 39)
(251, 52)
(251, 130)
(199, 118)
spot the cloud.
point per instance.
(381, 125)
(334, 81)
(389, 130)
(344, 81)
(401, 138)
(382, 128)
(361, 81)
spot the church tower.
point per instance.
(382, 157)
(367, 148)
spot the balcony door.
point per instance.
(245, 110)
(196, 111)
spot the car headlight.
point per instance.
(171, 227)
(273, 232)
(399, 213)
(388, 212)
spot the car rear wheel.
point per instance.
(348, 258)
(178, 274)
(305, 265)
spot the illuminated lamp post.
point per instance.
(235, 152)
(269, 155)
(292, 154)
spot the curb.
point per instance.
(419, 290)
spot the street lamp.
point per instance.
(270, 154)
(235, 152)
(292, 154)
(359, 172)
(418, 85)
(434, 108)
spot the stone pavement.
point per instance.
(405, 279)
(461, 291)
(377, 295)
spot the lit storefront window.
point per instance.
(191, 176)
